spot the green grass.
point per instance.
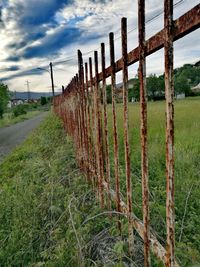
(187, 170)
(8, 119)
(46, 206)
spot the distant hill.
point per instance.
(33, 95)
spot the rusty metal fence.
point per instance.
(83, 108)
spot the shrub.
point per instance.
(19, 110)
(43, 100)
(1, 112)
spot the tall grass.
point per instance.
(48, 213)
(9, 119)
(47, 207)
(187, 170)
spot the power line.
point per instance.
(74, 56)
(119, 37)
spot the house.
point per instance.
(180, 96)
(196, 89)
(15, 102)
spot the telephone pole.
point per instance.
(52, 82)
(28, 90)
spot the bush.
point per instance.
(1, 112)
(4, 97)
(43, 100)
(19, 110)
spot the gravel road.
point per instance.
(13, 135)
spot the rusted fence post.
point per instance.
(169, 95)
(88, 121)
(81, 125)
(73, 107)
(98, 130)
(83, 111)
(93, 120)
(126, 137)
(115, 135)
(106, 142)
(143, 129)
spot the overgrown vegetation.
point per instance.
(48, 213)
(43, 100)
(9, 119)
(4, 97)
(22, 112)
(187, 171)
(19, 110)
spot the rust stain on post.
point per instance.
(169, 95)
(126, 138)
(115, 135)
(143, 130)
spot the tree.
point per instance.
(134, 90)
(43, 100)
(155, 87)
(4, 98)
(181, 85)
(109, 94)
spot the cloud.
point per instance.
(13, 58)
(11, 68)
(31, 72)
(34, 32)
(51, 44)
(27, 21)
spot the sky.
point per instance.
(34, 33)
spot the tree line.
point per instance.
(185, 78)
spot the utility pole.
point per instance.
(63, 88)
(28, 90)
(52, 82)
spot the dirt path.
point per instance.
(15, 134)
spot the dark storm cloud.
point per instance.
(15, 58)
(32, 19)
(11, 68)
(51, 44)
(31, 72)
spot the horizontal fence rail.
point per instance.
(83, 108)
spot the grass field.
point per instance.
(47, 208)
(8, 119)
(48, 213)
(187, 170)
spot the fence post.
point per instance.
(88, 120)
(106, 142)
(83, 111)
(115, 135)
(143, 129)
(93, 119)
(98, 130)
(126, 138)
(169, 95)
